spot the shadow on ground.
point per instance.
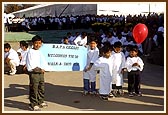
(67, 95)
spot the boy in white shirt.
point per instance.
(81, 40)
(89, 74)
(118, 69)
(36, 63)
(23, 54)
(134, 65)
(105, 64)
(11, 59)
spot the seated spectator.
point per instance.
(11, 59)
(70, 38)
(65, 41)
(81, 40)
(23, 54)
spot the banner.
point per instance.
(62, 57)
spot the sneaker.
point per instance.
(43, 105)
(85, 93)
(13, 73)
(131, 94)
(93, 93)
(139, 94)
(114, 92)
(105, 98)
(111, 95)
(35, 108)
(120, 92)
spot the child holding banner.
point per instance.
(35, 65)
(89, 74)
(105, 65)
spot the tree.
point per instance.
(9, 8)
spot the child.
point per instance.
(23, 54)
(35, 65)
(70, 38)
(89, 74)
(105, 64)
(65, 41)
(11, 59)
(20, 45)
(118, 69)
(81, 40)
(134, 65)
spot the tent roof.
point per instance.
(32, 8)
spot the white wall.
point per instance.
(132, 8)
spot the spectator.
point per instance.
(11, 59)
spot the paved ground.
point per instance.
(63, 89)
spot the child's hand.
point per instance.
(135, 64)
(123, 70)
(87, 69)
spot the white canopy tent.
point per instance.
(57, 10)
(110, 8)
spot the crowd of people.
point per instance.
(82, 21)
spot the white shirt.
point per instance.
(119, 62)
(105, 65)
(71, 40)
(155, 40)
(5, 19)
(92, 55)
(161, 29)
(35, 59)
(118, 65)
(80, 41)
(122, 40)
(12, 54)
(24, 55)
(129, 43)
(131, 60)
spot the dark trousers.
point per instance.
(134, 81)
(116, 87)
(89, 86)
(36, 89)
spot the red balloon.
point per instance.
(140, 33)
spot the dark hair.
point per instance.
(69, 33)
(84, 34)
(106, 49)
(37, 38)
(134, 48)
(92, 39)
(25, 44)
(22, 42)
(65, 38)
(117, 44)
(7, 45)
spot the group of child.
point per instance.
(30, 61)
(17, 57)
(111, 64)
